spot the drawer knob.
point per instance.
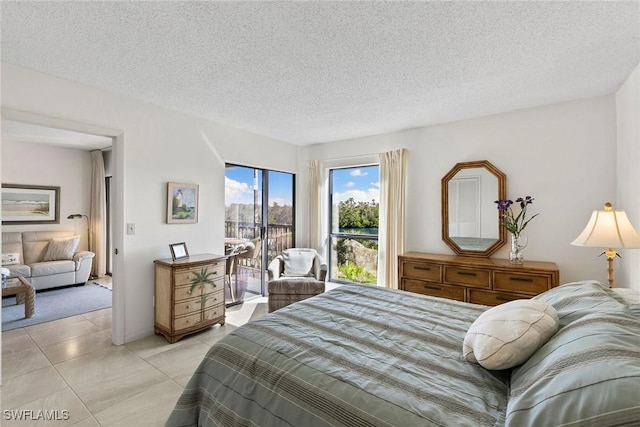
(424, 268)
(187, 306)
(435, 288)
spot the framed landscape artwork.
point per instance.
(30, 204)
(182, 203)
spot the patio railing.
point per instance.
(279, 236)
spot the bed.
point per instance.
(369, 356)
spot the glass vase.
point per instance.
(518, 243)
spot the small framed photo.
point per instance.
(179, 251)
(182, 203)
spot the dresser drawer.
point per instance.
(521, 282)
(194, 319)
(478, 296)
(184, 292)
(195, 304)
(467, 276)
(422, 270)
(185, 276)
(433, 289)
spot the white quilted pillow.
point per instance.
(508, 334)
(298, 263)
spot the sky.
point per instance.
(239, 186)
(362, 184)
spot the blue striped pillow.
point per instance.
(588, 373)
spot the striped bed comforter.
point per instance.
(354, 356)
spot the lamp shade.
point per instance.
(608, 228)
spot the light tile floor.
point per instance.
(70, 365)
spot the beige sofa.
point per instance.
(47, 259)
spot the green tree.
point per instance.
(280, 215)
(358, 215)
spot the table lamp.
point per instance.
(609, 229)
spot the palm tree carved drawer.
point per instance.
(189, 295)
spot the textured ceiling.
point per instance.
(307, 72)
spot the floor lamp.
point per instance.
(609, 229)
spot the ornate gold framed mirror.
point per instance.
(470, 218)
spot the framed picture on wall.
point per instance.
(179, 251)
(30, 204)
(182, 203)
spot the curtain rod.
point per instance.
(377, 155)
(349, 157)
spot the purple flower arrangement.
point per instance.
(509, 220)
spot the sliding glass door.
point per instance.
(251, 243)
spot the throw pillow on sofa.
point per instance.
(61, 248)
(11, 258)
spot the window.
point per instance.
(354, 197)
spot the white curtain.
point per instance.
(98, 215)
(393, 167)
(316, 238)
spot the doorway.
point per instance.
(251, 243)
(117, 212)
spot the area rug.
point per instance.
(56, 304)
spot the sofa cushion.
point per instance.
(35, 243)
(12, 243)
(48, 268)
(61, 248)
(19, 270)
(34, 251)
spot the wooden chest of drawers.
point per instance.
(189, 295)
(485, 281)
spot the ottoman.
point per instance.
(287, 290)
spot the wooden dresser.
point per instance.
(189, 295)
(485, 281)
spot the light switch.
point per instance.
(131, 228)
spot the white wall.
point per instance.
(628, 173)
(38, 164)
(563, 155)
(159, 145)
